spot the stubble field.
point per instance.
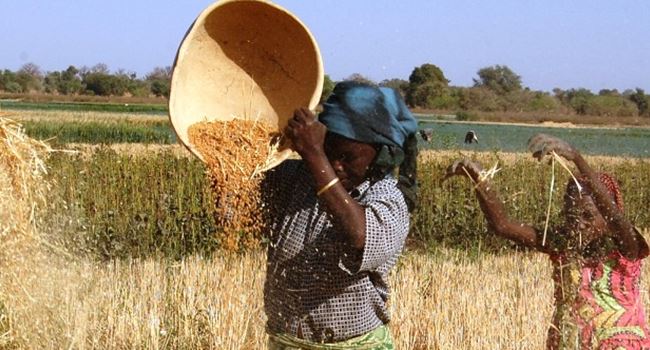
(130, 258)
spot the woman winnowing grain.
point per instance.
(596, 255)
(338, 220)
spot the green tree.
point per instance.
(426, 83)
(98, 83)
(70, 81)
(610, 106)
(65, 82)
(561, 96)
(427, 73)
(642, 101)
(97, 80)
(426, 95)
(140, 88)
(159, 80)
(103, 84)
(608, 92)
(13, 87)
(400, 85)
(479, 99)
(51, 82)
(578, 99)
(8, 82)
(328, 87)
(100, 68)
(160, 88)
(542, 102)
(360, 78)
(499, 79)
(128, 82)
(30, 78)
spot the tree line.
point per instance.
(95, 81)
(495, 89)
(498, 89)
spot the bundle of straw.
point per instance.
(22, 187)
(22, 191)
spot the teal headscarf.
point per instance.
(379, 116)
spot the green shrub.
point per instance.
(611, 106)
(465, 116)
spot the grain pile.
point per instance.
(235, 151)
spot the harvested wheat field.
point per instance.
(51, 299)
(445, 301)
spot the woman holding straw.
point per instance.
(596, 255)
(338, 221)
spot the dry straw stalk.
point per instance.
(22, 193)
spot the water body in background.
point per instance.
(446, 135)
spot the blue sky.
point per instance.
(568, 44)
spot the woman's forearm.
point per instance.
(498, 219)
(344, 209)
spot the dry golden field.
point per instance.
(83, 116)
(443, 300)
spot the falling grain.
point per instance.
(235, 151)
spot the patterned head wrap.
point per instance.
(610, 184)
(378, 116)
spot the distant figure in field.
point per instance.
(427, 134)
(471, 137)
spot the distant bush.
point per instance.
(444, 102)
(479, 99)
(13, 87)
(611, 106)
(543, 103)
(465, 116)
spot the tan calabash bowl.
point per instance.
(246, 59)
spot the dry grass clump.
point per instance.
(22, 190)
(36, 276)
(235, 151)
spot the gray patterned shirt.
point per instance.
(318, 287)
